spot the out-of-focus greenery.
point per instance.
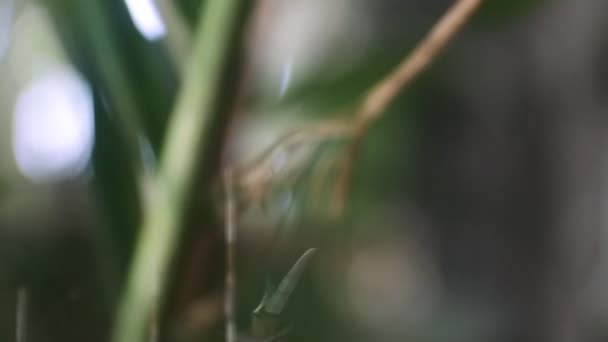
(423, 253)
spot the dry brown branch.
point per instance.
(256, 177)
(250, 184)
(383, 93)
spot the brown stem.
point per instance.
(384, 92)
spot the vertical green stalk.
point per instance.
(112, 72)
(183, 149)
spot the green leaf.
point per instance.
(277, 302)
(270, 288)
(501, 12)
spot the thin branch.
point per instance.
(383, 93)
(190, 121)
(349, 158)
(255, 178)
(231, 236)
(21, 314)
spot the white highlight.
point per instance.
(147, 19)
(54, 126)
(285, 77)
(147, 155)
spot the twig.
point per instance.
(440, 35)
(21, 314)
(383, 93)
(190, 120)
(230, 281)
(255, 177)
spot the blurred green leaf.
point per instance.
(500, 12)
(266, 317)
(277, 301)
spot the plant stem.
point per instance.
(112, 73)
(231, 236)
(21, 314)
(189, 123)
(384, 92)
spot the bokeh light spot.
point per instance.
(147, 19)
(54, 126)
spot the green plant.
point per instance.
(185, 145)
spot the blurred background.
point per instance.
(477, 210)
